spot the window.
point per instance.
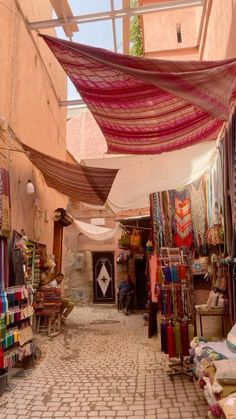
(178, 32)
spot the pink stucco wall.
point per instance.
(29, 104)
(220, 32)
(84, 137)
(160, 32)
(217, 38)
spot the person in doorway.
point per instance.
(67, 306)
(126, 294)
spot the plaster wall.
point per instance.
(78, 267)
(29, 104)
(159, 32)
(218, 41)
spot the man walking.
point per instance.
(126, 294)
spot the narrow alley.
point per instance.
(102, 366)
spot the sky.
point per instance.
(98, 34)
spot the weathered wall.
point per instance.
(160, 33)
(218, 41)
(78, 266)
(84, 137)
(29, 104)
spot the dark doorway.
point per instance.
(57, 245)
(103, 277)
(141, 283)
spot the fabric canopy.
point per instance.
(141, 175)
(149, 106)
(87, 184)
(96, 232)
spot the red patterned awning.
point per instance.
(149, 106)
(87, 184)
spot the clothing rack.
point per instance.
(180, 367)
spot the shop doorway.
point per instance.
(103, 277)
(141, 284)
(57, 244)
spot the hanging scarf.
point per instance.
(156, 216)
(182, 222)
(198, 212)
(166, 218)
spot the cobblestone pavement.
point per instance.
(103, 366)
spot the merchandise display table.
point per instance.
(205, 311)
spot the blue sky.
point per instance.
(98, 34)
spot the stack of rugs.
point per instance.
(215, 368)
(48, 300)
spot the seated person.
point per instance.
(126, 293)
(67, 306)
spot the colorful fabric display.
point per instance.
(170, 341)
(184, 339)
(10, 358)
(167, 274)
(1, 358)
(190, 332)
(174, 274)
(182, 272)
(159, 275)
(177, 338)
(5, 206)
(4, 263)
(3, 302)
(182, 222)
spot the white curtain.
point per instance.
(95, 232)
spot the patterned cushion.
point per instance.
(226, 371)
(231, 339)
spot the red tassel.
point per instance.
(170, 341)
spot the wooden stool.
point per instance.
(48, 322)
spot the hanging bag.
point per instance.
(125, 239)
(149, 247)
(135, 240)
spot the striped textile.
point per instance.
(148, 106)
(87, 184)
(5, 204)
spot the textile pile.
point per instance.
(215, 368)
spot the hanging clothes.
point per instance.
(227, 187)
(182, 220)
(166, 218)
(198, 211)
(157, 225)
(5, 206)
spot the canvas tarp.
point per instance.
(140, 176)
(149, 106)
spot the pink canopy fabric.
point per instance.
(149, 106)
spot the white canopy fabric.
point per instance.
(95, 232)
(139, 176)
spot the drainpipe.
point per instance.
(204, 31)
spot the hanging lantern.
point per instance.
(30, 188)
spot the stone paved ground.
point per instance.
(105, 367)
